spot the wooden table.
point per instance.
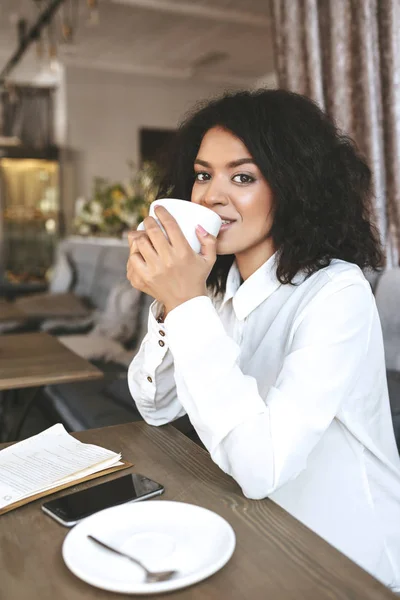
(276, 557)
(52, 306)
(10, 312)
(35, 359)
(32, 360)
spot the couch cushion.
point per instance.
(388, 302)
(62, 278)
(393, 379)
(118, 390)
(144, 318)
(97, 265)
(86, 405)
(68, 325)
(110, 270)
(11, 326)
(120, 318)
(83, 256)
(92, 404)
(93, 346)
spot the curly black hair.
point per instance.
(320, 183)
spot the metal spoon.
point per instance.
(151, 576)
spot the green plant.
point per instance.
(118, 207)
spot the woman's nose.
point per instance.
(214, 194)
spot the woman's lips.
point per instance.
(226, 226)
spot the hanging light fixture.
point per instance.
(66, 31)
(52, 50)
(69, 20)
(31, 36)
(94, 16)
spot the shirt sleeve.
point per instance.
(265, 442)
(151, 378)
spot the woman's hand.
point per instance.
(169, 270)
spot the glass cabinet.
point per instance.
(30, 212)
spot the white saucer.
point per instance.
(164, 535)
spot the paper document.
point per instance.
(47, 460)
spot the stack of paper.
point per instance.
(50, 460)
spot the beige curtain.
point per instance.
(345, 54)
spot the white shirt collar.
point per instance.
(252, 292)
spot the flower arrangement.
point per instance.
(117, 207)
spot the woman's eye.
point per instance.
(202, 176)
(243, 178)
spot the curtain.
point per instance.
(345, 54)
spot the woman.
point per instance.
(269, 340)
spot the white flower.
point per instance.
(129, 188)
(129, 218)
(96, 208)
(84, 229)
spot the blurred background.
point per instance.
(95, 89)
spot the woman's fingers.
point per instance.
(136, 271)
(147, 251)
(208, 245)
(136, 263)
(172, 228)
(157, 237)
(133, 238)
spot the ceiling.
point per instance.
(225, 41)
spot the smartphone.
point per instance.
(72, 508)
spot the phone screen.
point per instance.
(76, 506)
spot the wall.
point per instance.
(105, 111)
(31, 72)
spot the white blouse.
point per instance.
(286, 387)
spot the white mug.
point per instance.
(188, 215)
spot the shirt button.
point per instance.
(161, 343)
(149, 379)
(162, 333)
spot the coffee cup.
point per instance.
(188, 215)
